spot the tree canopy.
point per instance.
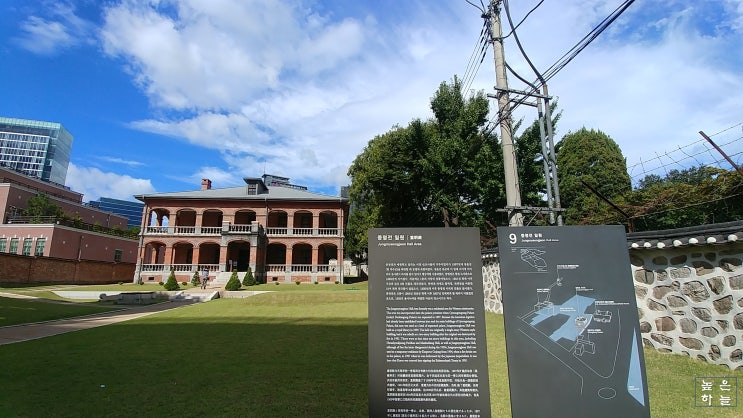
(445, 171)
(688, 197)
(589, 159)
(40, 206)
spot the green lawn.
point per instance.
(278, 354)
(19, 311)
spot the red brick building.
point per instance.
(282, 232)
(23, 236)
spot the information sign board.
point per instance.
(572, 332)
(427, 346)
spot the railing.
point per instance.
(243, 228)
(271, 230)
(180, 268)
(153, 267)
(302, 267)
(196, 230)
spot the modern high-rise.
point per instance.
(131, 210)
(36, 148)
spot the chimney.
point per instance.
(206, 184)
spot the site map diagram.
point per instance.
(571, 322)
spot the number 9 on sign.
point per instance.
(512, 238)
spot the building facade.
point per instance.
(81, 236)
(131, 210)
(284, 234)
(37, 148)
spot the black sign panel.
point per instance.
(427, 347)
(572, 333)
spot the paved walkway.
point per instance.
(24, 332)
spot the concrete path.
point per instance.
(24, 332)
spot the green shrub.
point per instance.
(277, 283)
(233, 283)
(249, 279)
(161, 283)
(298, 282)
(196, 278)
(317, 282)
(172, 283)
(183, 283)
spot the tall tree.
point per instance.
(688, 197)
(40, 208)
(444, 171)
(589, 159)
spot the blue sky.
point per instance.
(160, 94)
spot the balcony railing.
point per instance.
(253, 228)
(271, 230)
(215, 268)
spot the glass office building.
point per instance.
(131, 210)
(36, 148)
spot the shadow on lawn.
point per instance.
(262, 367)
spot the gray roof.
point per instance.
(241, 193)
(721, 233)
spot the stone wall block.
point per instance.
(730, 264)
(723, 324)
(702, 313)
(640, 292)
(738, 321)
(714, 352)
(695, 291)
(729, 340)
(691, 343)
(680, 273)
(655, 306)
(716, 284)
(660, 291)
(709, 332)
(703, 268)
(723, 305)
(645, 327)
(679, 259)
(676, 301)
(736, 356)
(736, 282)
(688, 325)
(644, 276)
(662, 338)
(665, 323)
(660, 260)
(710, 256)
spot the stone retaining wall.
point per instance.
(689, 299)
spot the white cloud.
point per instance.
(301, 91)
(94, 183)
(117, 160)
(61, 28)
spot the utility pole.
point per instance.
(513, 194)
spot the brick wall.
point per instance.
(23, 269)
